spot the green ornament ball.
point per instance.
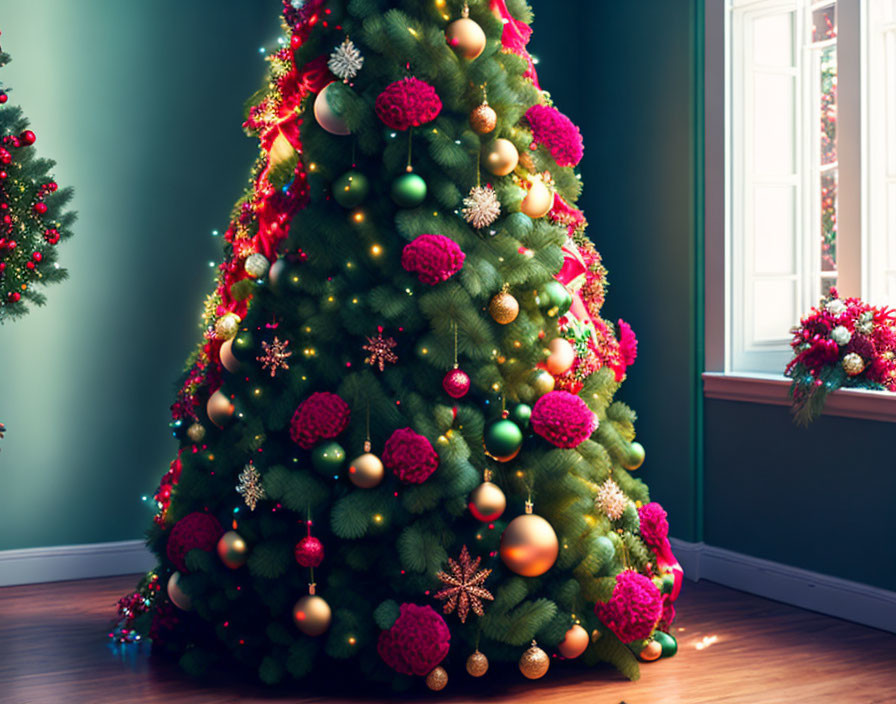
(503, 440)
(668, 642)
(328, 458)
(635, 457)
(350, 189)
(244, 346)
(521, 415)
(556, 298)
(409, 190)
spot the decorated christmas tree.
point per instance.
(400, 452)
(33, 219)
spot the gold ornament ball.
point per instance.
(504, 308)
(574, 643)
(325, 116)
(232, 550)
(534, 663)
(227, 326)
(652, 651)
(477, 664)
(312, 615)
(483, 119)
(366, 471)
(466, 38)
(635, 456)
(562, 356)
(228, 359)
(177, 595)
(437, 679)
(501, 157)
(196, 432)
(853, 364)
(542, 382)
(487, 502)
(538, 200)
(529, 545)
(219, 408)
(281, 151)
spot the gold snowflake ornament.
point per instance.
(463, 586)
(250, 486)
(379, 350)
(611, 500)
(275, 355)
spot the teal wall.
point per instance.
(627, 77)
(140, 103)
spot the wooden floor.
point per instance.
(733, 648)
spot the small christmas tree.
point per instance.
(400, 453)
(33, 219)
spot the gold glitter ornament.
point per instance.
(483, 119)
(196, 432)
(534, 663)
(227, 326)
(504, 308)
(437, 679)
(542, 382)
(853, 364)
(477, 664)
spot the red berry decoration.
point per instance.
(14, 296)
(52, 236)
(40, 208)
(456, 383)
(5, 156)
(434, 258)
(410, 456)
(37, 256)
(563, 419)
(195, 531)
(29, 265)
(408, 103)
(321, 416)
(417, 641)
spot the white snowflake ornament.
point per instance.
(481, 207)
(346, 60)
(611, 500)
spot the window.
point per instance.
(809, 165)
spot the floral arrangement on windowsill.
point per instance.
(843, 342)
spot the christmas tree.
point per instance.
(400, 451)
(33, 220)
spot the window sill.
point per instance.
(775, 390)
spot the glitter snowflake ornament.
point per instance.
(611, 500)
(275, 356)
(463, 586)
(379, 350)
(481, 207)
(346, 60)
(250, 486)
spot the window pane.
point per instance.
(824, 23)
(829, 105)
(773, 124)
(775, 309)
(774, 230)
(773, 40)
(829, 221)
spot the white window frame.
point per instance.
(854, 212)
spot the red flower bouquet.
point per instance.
(841, 343)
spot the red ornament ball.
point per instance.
(634, 609)
(417, 642)
(563, 419)
(28, 137)
(3, 98)
(5, 156)
(320, 416)
(37, 256)
(410, 456)
(408, 103)
(195, 531)
(557, 132)
(40, 208)
(52, 236)
(14, 296)
(309, 551)
(456, 383)
(434, 258)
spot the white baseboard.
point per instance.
(832, 596)
(66, 562)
